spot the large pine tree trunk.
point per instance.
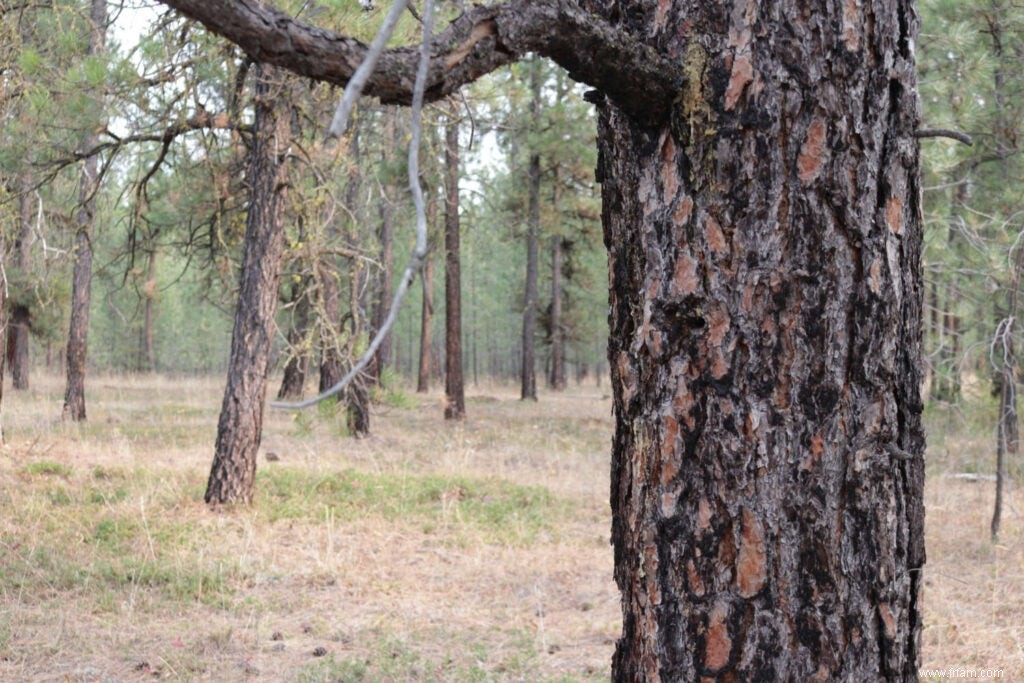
(81, 279)
(765, 310)
(455, 398)
(232, 478)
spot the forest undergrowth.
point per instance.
(426, 552)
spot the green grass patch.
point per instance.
(509, 512)
(177, 582)
(47, 468)
(468, 660)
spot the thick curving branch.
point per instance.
(637, 79)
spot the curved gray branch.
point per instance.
(419, 252)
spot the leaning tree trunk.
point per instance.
(81, 279)
(765, 310)
(232, 478)
(455, 397)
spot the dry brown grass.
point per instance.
(474, 552)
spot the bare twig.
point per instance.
(944, 133)
(420, 251)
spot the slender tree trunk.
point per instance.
(149, 291)
(765, 310)
(331, 368)
(947, 384)
(1005, 148)
(294, 381)
(529, 369)
(385, 289)
(3, 330)
(557, 378)
(330, 355)
(239, 430)
(81, 283)
(357, 395)
(1004, 359)
(935, 329)
(20, 314)
(455, 403)
(426, 314)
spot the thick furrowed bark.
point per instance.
(765, 338)
(232, 477)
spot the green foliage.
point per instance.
(970, 81)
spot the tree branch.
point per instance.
(420, 251)
(638, 80)
(944, 133)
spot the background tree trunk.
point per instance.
(384, 290)
(357, 395)
(330, 308)
(529, 369)
(3, 335)
(765, 310)
(19, 324)
(294, 381)
(81, 281)
(385, 278)
(556, 380)
(232, 478)
(331, 369)
(426, 314)
(149, 292)
(455, 403)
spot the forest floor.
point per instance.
(426, 552)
